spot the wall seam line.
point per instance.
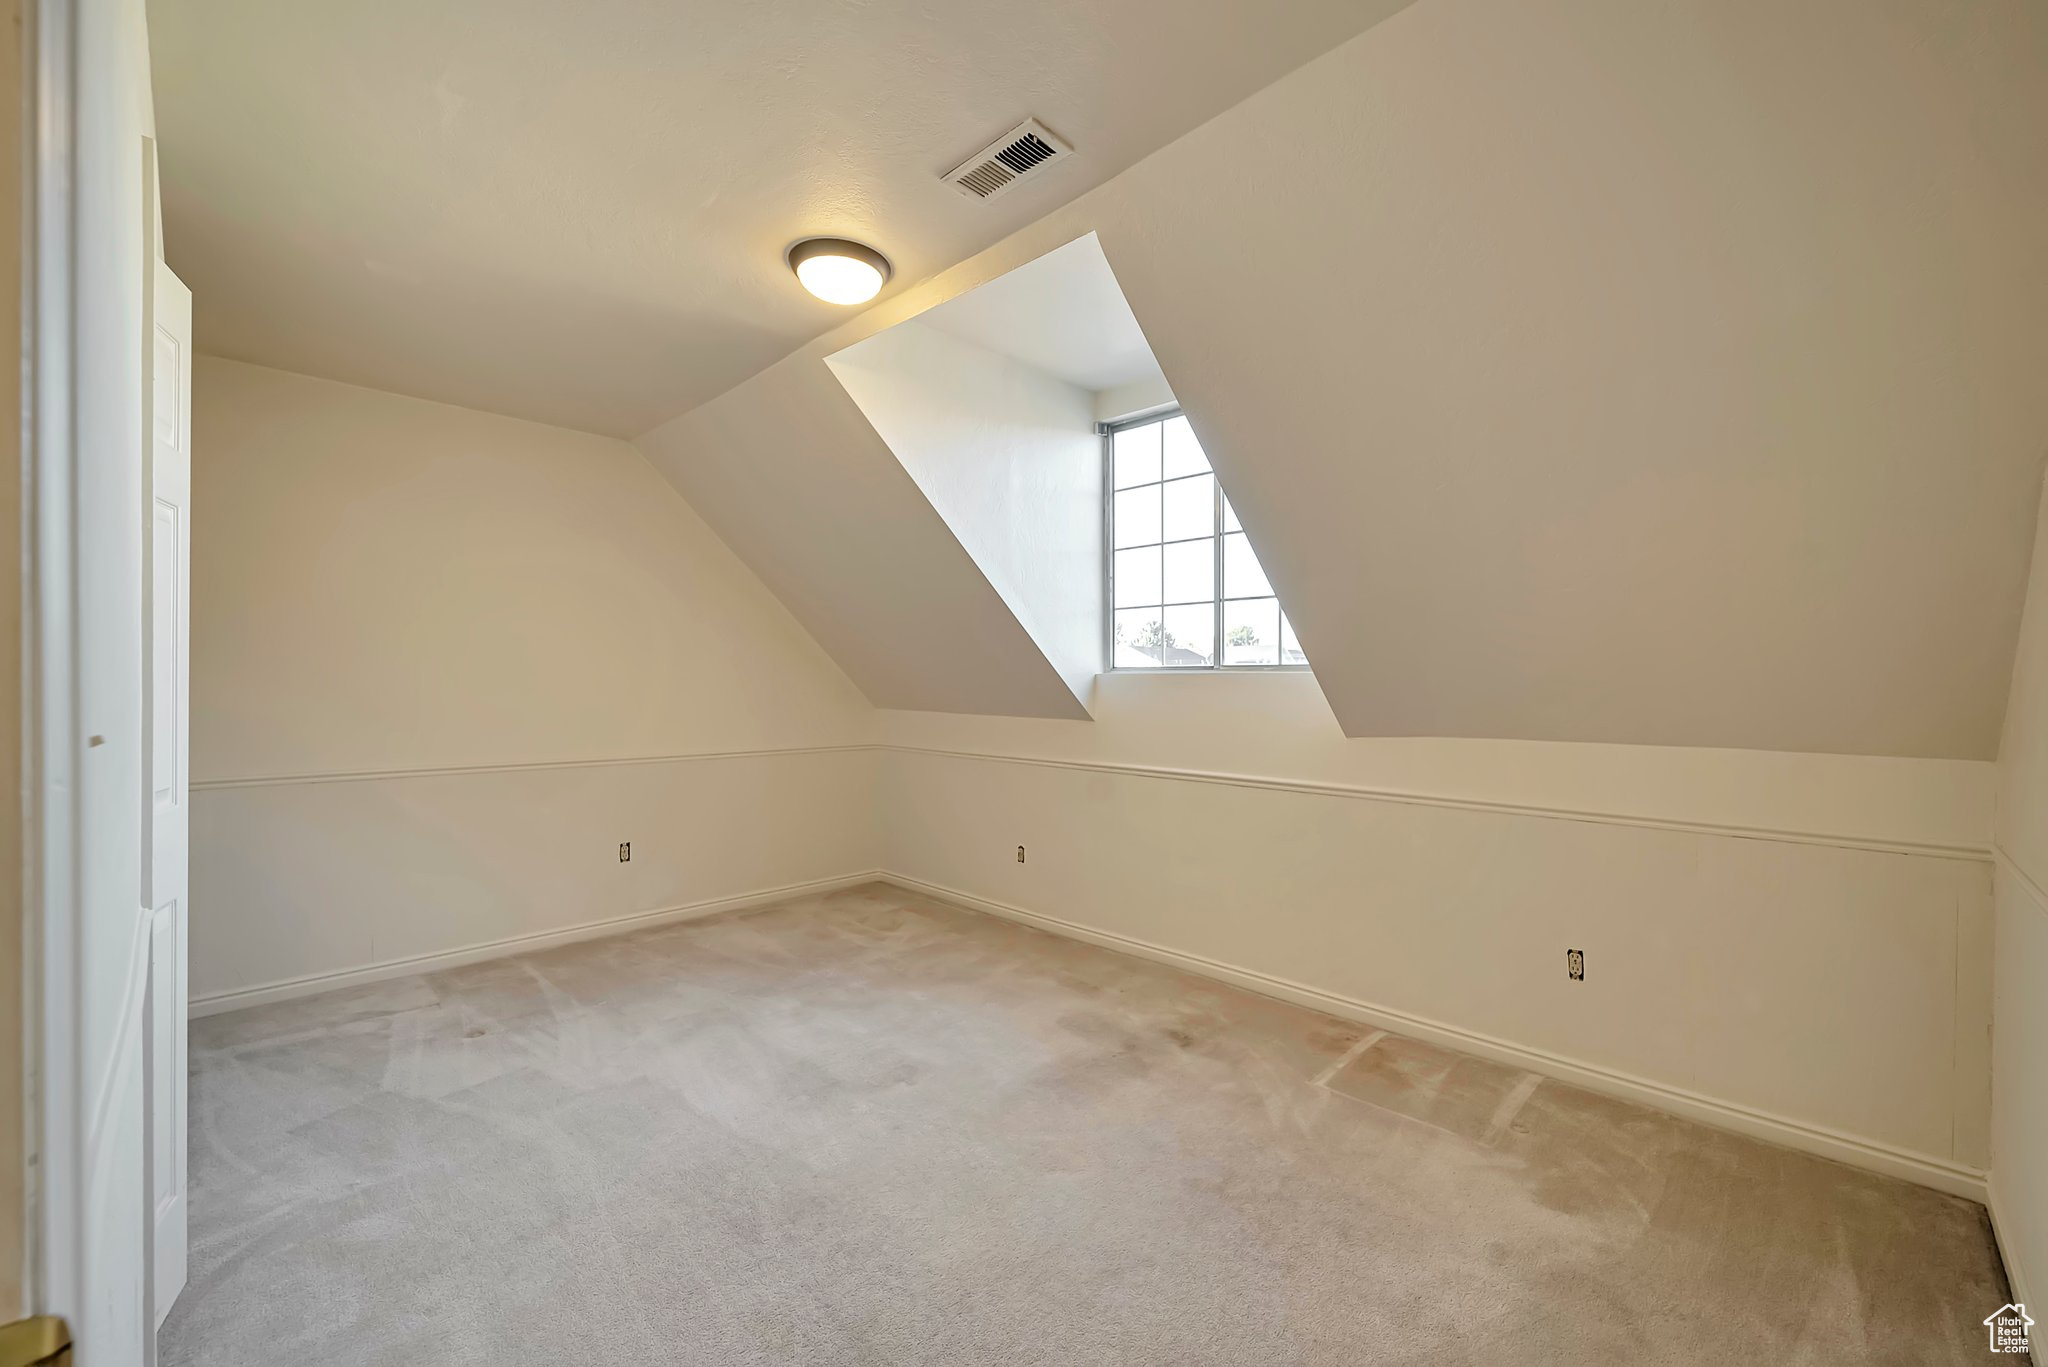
(1225, 778)
(1360, 792)
(509, 767)
(2026, 880)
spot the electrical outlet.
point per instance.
(1575, 964)
(1020, 854)
(625, 851)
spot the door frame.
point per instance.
(54, 1275)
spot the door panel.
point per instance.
(166, 747)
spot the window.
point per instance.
(1182, 574)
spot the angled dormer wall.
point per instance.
(927, 497)
(796, 480)
(1008, 456)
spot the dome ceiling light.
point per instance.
(839, 271)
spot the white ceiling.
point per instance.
(1062, 314)
(577, 213)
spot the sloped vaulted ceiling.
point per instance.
(1601, 371)
(1663, 373)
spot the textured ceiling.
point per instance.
(577, 213)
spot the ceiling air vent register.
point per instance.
(1017, 155)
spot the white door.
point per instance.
(167, 596)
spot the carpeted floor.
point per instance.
(868, 1128)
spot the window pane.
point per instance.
(1166, 513)
(1183, 453)
(1140, 639)
(1137, 516)
(1190, 508)
(1251, 630)
(1191, 633)
(1243, 576)
(1136, 455)
(1191, 573)
(1137, 577)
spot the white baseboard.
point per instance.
(1872, 1155)
(2008, 1250)
(213, 1003)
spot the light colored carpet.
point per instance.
(868, 1128)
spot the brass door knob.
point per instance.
(41, 1341)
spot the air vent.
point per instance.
(1022, 152)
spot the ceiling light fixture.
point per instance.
(838, 271)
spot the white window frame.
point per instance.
(1107, 431)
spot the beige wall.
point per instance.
(388, 583)
(1792, 944)
(520, 647)
(12, 1240)
(2019, 1114)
